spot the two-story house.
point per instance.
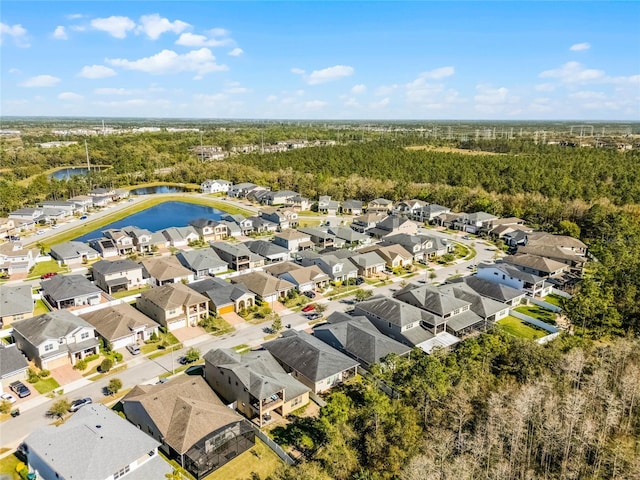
(319, 236)
(338, 269)
(380, 205)
(298, 203)
(180, 236)
(429, 212)
(55, 339)
(366, 222)
(142, 238)
(209, 229)
(118, 275)
(237, 256)
(393, 225)
(293, 240)
(352, 207)
(279, 197)
(327, 206)
(271, 252)
(244, 224)
(282, 217)
(203, 263)
(122, 241)
(506, 274)
(174, 306)
(408, 207)
(473, 222)
(16, 259)
(215, 186)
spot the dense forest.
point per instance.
(497, 407)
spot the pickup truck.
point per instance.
(20, 389)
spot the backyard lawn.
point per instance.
(259, 459)
(8, 467)
(129, 293)
(40, 308)
(554, 300)
(518, 328)
(539, 313)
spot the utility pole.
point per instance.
(86, 149)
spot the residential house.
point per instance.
(366, 222)
(55, 339)
(262, 225)
(82, 202)
(338, 269)
(268, 288)
(474, 222)
(369, 264)
(28, 214)
(311, 361)
(395, 256)
(448, 312)
(448, 219)
(68, 291)
(358, 338)
(512, 222)
(512, 235)
(305, 279)
(241, 190)
(488, 309)
(278, 198)
(244, 224)
(393, 225)
(271, 252)
(55, 215)
(180, 236)
(68, 206)
(298, 203)
(429, 212)
(118, 275)
(101, 201)
(254, 382)
(420, 246)
(402, 322)
(380, 205)
(105, 246)
(574, 261)
(569, 244)
(237, 256)
(215, 186)
(16, 303)
(408, 207)
(540, 266)
(122, 241)
(174, 306)
(352, 207)
(16, 259)
(102, 192)
(232, 228)
(143, 240)
(346, 237)
(13, 365)
(190, 421)
(507, 274)
(284, 218)
(224, 297)
(203, 262)
(121, 325)
(163, 270)
(320, 237)
(497, 291)
(7, 227)
(94, 443)
(327, 206)
(293, 240)
(73, 253)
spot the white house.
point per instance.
(215, 186)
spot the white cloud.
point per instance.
(113, 91)
(40, 81)
(271, 98)
(219, 32)
(351, 102)
(587, 95)
(210, 98)
(438, 73)
(60, 33)
(574, 73)
(115, 26)
(545, 87)
(17, 32)
(236, 52)
(358, 89)
(314, 104)
(96, 71)
(78, 28)
(384, 90)
(70, 96)
(154, 25)
(199, 61)
(188, 39)
(329, 74)
(580, 47)
(380, 104)
(237, 90)
(297, 71)
(495, 100)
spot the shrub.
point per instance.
(44, 373)
(193, 354)
(154, 337)
(81, 365)
(5, 406)
(106, 365)
(115, 384)
(117, 356)
(32, 376)
(90, 358)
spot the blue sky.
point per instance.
(322, 60)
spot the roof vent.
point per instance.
(98, 426)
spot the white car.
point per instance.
(7, 397)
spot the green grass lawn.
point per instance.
(518, 328)
(128, 293)
(243, 347)
(8, 467)
(259, 459)
(218, 326)
(554, 299)
(45, 267)
(40, 308)
(539, 313)
(45, 385)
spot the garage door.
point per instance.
(58, 362)
(226, 309)
(177, 324)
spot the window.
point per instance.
(48, 347)
(120, 473)
(84, 335)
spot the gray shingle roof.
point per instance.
(105, 267)
(12, 361)
(65, 287)
(266, 249)
(496, 291)
(221, 293)
(367, 260)
(51, 325)
(69, 250)
(394, 311)
(15, 300)
(202, 259)
(308, 355)
(430, 298)
(94, 443)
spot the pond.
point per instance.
(159, 217)
(158, 189)
(67, 173)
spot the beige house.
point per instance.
(121, 325)
(394, 256)
(174, 305)
(163, 270)
(16, 303)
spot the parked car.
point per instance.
(133, 349)
(14, 238)
(314, 316)
(83, 217)
(359, 281)
(466, 237)
(20, 389)
(309, 294)
(78, 404)
(185, 361)
(55, 226)
(40, 232)
(7, 397)
(308, 308)
(48, 275)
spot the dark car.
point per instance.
(78, 404)
(359, 281)
(185, 361)
(314, 316)
(310, 294)
(20, 389)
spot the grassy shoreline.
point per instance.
(128, 210)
